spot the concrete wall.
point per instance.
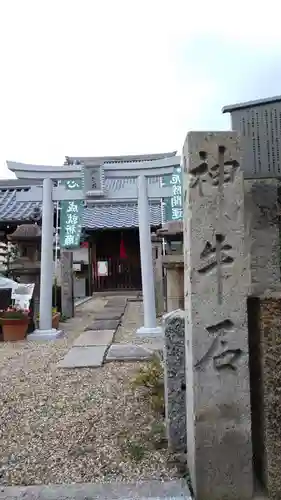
(81, 254)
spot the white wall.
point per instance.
(81, 254)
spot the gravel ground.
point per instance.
(82, 425)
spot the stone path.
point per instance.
(79, 301)
(91, 338)
(128, 346)
(99, 341)
(150, 490)
(128, 352)
(133, 320)
(89, 349)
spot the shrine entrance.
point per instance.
(116, 260)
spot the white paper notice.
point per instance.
(102, 268)
(23, 294)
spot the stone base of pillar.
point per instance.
(150, 332)
(51, 334)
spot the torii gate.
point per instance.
(47, 194)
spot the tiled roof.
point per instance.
(26, 232)
(11, 209)
(115, 183)
(99, 216)
(121, 215)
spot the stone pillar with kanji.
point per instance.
(217, 280)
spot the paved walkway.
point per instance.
(97, 343)
(90, 348)
(152, 490)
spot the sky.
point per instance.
(112, 77)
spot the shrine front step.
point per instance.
(133, 352)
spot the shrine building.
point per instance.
(110, 236)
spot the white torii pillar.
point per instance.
(150, 327)
(47, 195)
(46, 278)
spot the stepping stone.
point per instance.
(155, 345)
(109, 314)
(94, 338)
(116, 309)
(83, 357)
(104, 324)
(175, 489)
(119, 309)
(128, 352)
(116, 302)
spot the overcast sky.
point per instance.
(104, 77)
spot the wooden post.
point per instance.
(93, 261)
(158, 274)
(67, 300)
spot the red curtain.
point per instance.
(123, 254)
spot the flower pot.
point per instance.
(14, 329)
(55, 320)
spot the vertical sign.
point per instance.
(71, 218)
(173, 206)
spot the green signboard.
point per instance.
(173, 206)
(71, 218)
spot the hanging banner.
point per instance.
(71, 218)
(173, 207)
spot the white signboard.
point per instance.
(22, 295)
(77, 266)
(102, 268)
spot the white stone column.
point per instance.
(46, 332)
(150, 327)
(217, 280)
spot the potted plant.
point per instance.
(55, 318)
(14, 322)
